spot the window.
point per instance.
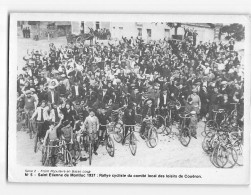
(140, 32)
(149, 32)
(97, 25)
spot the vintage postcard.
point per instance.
(129, 98)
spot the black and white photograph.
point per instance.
(144, 92)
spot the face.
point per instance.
(92, 114)
(43, 104)
(68, 106)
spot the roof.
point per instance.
(62, 23)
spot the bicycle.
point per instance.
(37, 142)
(108, 141)
(211, 125)
(31, 130)
(121, 138)
(151, 136)
(88, 143)
(61, 153)
(184, 130)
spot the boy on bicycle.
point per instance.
(192, 123)
(52, 136)
(67, 135)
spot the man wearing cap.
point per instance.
(147, 113)
(30, 104)
(42, 118)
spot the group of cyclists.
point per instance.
(77, 87)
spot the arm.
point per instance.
(46, 136)
(34, 114)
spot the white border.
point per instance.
(209, 175)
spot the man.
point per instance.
(53, 96)
(52, 135)
(129, 119)
(30, 104)
(163, 99)
(92, 125)
(67, 134)
(135, 97)
(148, 113)
(76, 91)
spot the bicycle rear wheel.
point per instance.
(238, 148)
(36, 143)
(160, 123)
(185, 136)
(233, 158)
(133, 144)
(68, 159)
(213, 156)
(90, 153)
(110, 148)
(152, 137)
(207, 144)
(222, 156)
(118, 135)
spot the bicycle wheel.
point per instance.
(222, 156)
(233, 158)
(238, 148)
(118, 135)
(36, 143)
(168, 128)
(210, 126)
(152, 137)
(213, 156)
(68, 159)
(133, 144)
(185, 136)
(110, 148)
(207, 144)
(160, 124)
(90, 153)
(44, 155)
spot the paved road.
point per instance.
(168, 153)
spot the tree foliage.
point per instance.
(174, 25)
(235, 30)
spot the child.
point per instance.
(51, 134)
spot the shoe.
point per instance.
(83, 159)
(142, 136)
(95, 153)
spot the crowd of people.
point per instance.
(75, 86)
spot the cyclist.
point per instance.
(92, 125)
(67, 134)
(30, 104)
(52, 136)
(41, 114)
(148, 112)
(129, 119)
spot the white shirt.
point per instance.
(76, 90)
(164, 99)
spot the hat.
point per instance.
(32, 89)
(65, 123)
(193, 112)
(28, 92)
(224, 82)
(63, 75)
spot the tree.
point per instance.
(235, 30)
(174, 25)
